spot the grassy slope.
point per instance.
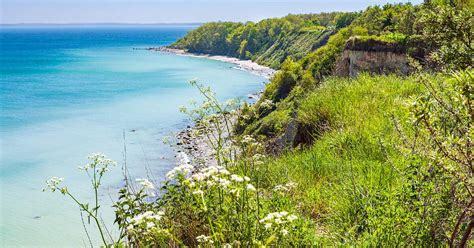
(353, 178)
(356, 163)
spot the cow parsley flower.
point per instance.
(267, 104)
(182, 170)
(279, 219)
(236, 178)
(99, 163)
(145, 183)
(53, 183)
(251, 187)
(204, 239)
(268, 225)
(198, 192)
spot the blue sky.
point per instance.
(167, 11)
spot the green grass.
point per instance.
(353, 168)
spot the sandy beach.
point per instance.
(246, 65)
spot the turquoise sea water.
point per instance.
(66, 92)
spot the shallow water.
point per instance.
(66, 92)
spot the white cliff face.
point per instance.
(354, 62)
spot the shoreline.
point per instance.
(246, 65)
(194, 148)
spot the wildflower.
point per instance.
(145, 183)
(199, 177)
(223, 182)
(247, 139)
(204, 239)
(182, 170)
(150, 225)
(268, 225)
(291, 217)
(278, 218)
(236, 178)
(251, 187)
(285, 188)
(266, 104)
(53, 183)
(291, 185)
(258, 157)
(183, 109)
(246, 178)
(284, 232)
(198, 192)
(211, 183)
(206, 105)
(235, 192)
(99, 162)
(147, 216)
(280, 188)
(231, 103)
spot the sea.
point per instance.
(68, 91)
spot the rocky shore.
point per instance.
(192, 145)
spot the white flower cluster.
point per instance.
(53, 183)
(183, 109)
(246, 117)
(285, 187)
(207, 105)
(145, 222)
(145, 183)
(218, 176)
(247, 139)
(267, 104)
(204, 239)
(277, 220)
(208, 172)
(99, 163)
(258, 159)
(183, 170)
(231, 103)
(239, 179)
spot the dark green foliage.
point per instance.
(449, 33)
(268, 42)
(209, 38)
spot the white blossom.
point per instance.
(251, 187)
(198, 192)
(183, 170)
(268, 225)
(236, 178)
(266, 104)
(145, 183)
(53, 183)
(99, 163)
(204, 239)
(291, 217)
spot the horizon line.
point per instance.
(98, 23)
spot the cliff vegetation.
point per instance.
(338, 151)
